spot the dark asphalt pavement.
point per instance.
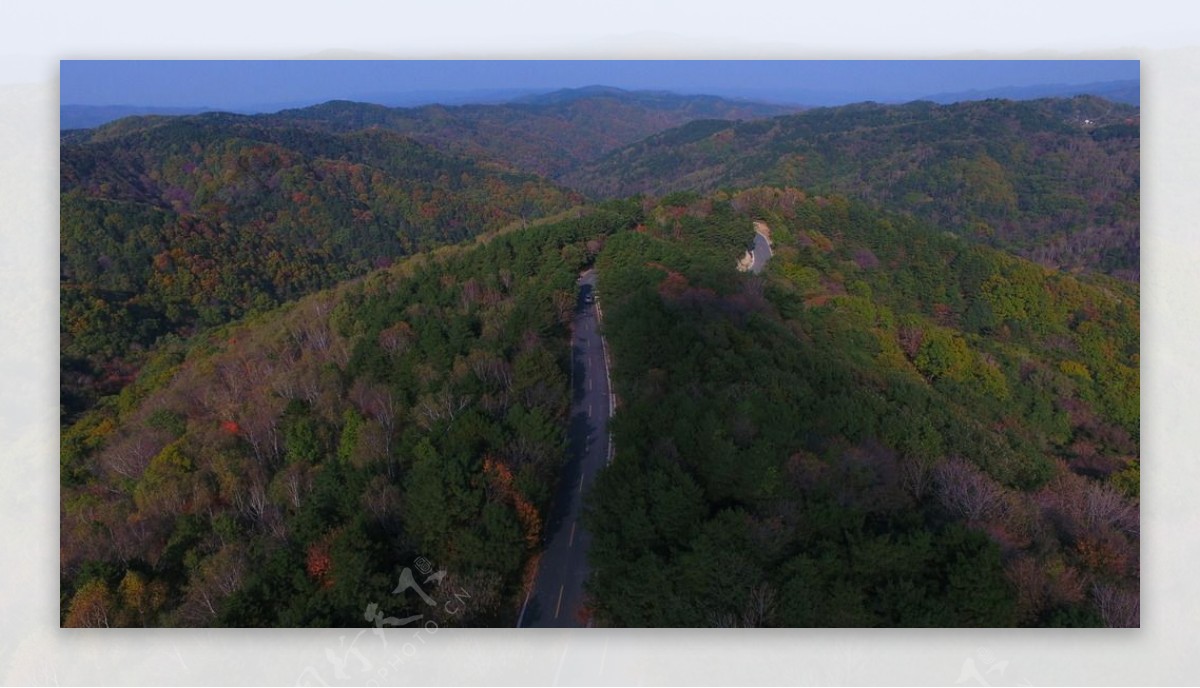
(557, 598)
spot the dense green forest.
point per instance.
(891, 427)
(282, 471)
(170, 225)
(1056, 180)
(301, 351)
(173, 224)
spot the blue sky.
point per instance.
(265, 84)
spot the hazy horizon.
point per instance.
(260, 86)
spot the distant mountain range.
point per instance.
(1128, 91)
(549, 134)
(89, 116)
(74, 116)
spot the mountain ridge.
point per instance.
(1008, 172)
(76, 116)
(1126, 91)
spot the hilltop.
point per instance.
(890, 427)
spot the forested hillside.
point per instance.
(302, 351)
(282, 471)
(549, 134)
(891, 427)
(174, 224)
(1056, 180)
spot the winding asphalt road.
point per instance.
(557, 599)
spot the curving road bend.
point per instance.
(556, 599)
(762, 247)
